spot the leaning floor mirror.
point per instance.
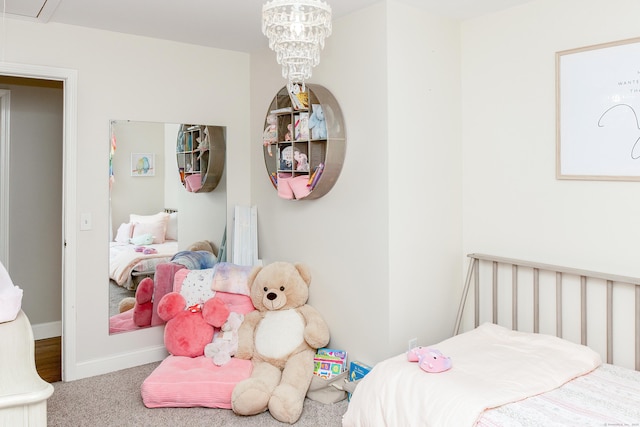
(167, 189)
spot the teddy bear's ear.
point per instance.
(252, 275)
(304, 271)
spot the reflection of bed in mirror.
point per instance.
(140, 245)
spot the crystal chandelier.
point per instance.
(296, 30)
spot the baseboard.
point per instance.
(117, 362)
(43, 331)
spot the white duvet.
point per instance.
(123, 258)
(492, 366)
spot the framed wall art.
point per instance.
(142, 164)
(598, 112)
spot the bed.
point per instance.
(537, 349)
(140, 245)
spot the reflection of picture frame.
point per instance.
(143, 164)
(598, 112)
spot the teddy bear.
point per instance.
(190, 328)
(225, 341)
(317, 123)
(281, 338)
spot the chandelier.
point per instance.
(296, 30)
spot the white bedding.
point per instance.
(492, 366)
(123, 259)
(608, 396)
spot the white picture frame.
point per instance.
(598, 112)
(143, 164)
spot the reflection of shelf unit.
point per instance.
(325, 154)
(200, 150)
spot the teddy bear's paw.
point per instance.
(250, 397)
(221, 359)
(286, 404)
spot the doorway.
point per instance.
(32, 204)
(65, 241)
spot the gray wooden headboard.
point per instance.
(528, 279)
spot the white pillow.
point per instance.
(172, 227)
(160, 216)
(156, 229)
(124, 233)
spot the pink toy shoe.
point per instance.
(429, 359)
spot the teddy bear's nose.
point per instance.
(271, 296)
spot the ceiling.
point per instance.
(225, 24)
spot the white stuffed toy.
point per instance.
(225, 342)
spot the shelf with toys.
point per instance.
(304, 142)
(200, 154)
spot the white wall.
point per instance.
(397, 200)
(513, 205)
(132, 194)
(425, 169)
(122, 76)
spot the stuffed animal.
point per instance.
(225, 342)
(270, 134)
(190, 329)
(317, 123)
(202, 245)
(429, 359)
(302, 162)
(289, 135)
(141, 304)
(126, 304)
(281, 338)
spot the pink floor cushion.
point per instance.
(122, 322)
(185, 382)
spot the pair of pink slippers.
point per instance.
(429, 359)
(146, 251)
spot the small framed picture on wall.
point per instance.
(142, 164)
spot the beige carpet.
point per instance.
(114, 400)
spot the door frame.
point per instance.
(5, 163)
(69, 78)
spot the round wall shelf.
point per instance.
(304, 142)
(200, 154)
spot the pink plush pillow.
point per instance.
(299, 186)
(156, 229)
(193, 182)
(122, 322)
(187, 382)
(284, 189)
